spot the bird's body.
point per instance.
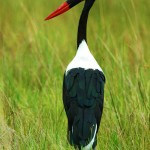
(83, 94)
(83, 102)
(83, 87)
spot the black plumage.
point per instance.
(83, 97)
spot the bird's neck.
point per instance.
(83, 22)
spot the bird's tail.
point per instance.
(84, 128)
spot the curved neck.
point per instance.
(83, 22)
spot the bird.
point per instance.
(83, 85)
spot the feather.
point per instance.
(83, 95)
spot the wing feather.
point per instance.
(83, 97)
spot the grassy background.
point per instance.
(33, 58)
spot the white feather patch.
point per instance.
(83, 59)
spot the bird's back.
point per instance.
(83, 59)
(83, 94)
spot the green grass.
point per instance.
(33, 58)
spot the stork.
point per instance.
(83, 86)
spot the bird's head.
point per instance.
(68, 5)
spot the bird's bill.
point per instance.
(63, 8)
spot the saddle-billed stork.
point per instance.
(83, 86)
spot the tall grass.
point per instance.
(33, 58)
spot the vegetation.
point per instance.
(33, 58)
